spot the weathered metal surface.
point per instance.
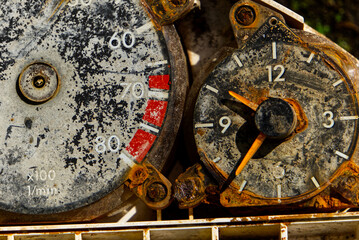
(302, 226)
(275, 63)
(246, 17)
(347, 184)
(118, 92)
(293, 19)
(193, 187)
(150, 186)
(167, 11)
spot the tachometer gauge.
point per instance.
(89, 89)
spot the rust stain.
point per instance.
(165, 12)
(190, 188)
(201, 132)
(302, 120)
(318, 198)
(138, 175)
(257, 95)
(150, 185)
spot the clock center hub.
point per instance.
(275, 118)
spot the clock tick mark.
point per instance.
(212, 89)
(279, 192)
(344, 118)
(238, 61)
(337, 82)
(274, 50)
(310, 58)
(243, 185)
(340, 154)
(204, 125)
(315, 182)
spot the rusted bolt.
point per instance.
(156, 192)
(351, 181)
(187, 189)
(273, 21)
(178, 3)
(138, 175)
(245, 15)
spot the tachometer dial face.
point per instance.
(86, 86)
(287, 84)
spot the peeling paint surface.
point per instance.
(74, 149)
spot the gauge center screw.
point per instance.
(275, 118)
(245, 15)
(38, 83)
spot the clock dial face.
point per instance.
(276, 73)
(86, 87)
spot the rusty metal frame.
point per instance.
(342, 225)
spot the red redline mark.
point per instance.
(140, 144)
(160, 82)
(155, 112)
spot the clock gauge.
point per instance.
(276, 120)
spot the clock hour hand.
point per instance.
(240, 109)
(244, 100)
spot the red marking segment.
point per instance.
(140, 144)
(160, 82)
(155, 112)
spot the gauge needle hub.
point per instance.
(274, 118)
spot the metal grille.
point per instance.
(300, 227)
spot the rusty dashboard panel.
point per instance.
(174, 119)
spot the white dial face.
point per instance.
(113, 91)
(225, 128)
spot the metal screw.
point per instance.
(157, 192)
(39, 81)
(351, 181)
(245, 15)
(186, 190)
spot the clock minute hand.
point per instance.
(252, 150)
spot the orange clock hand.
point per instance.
(253, 149)
(243, 100)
